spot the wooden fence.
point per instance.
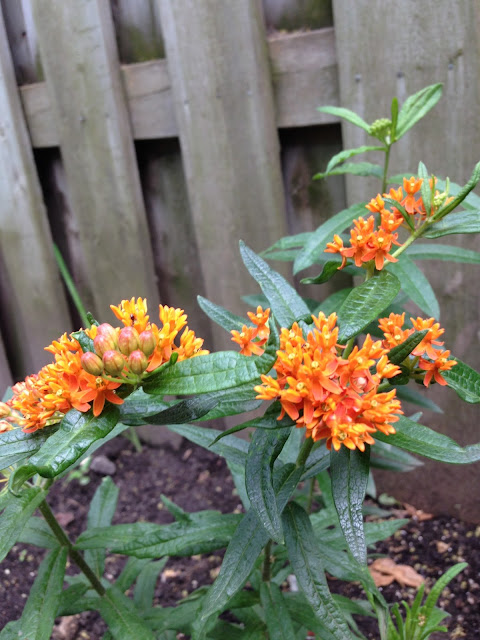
(146, 137)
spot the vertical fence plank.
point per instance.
(5, 375)
(137, 26)
(21, 35)
(104, 191)
(409, 54)
(34, 309)
(223, 96)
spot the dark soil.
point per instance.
(196, 479)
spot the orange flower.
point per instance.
(245, 338)
(434, 332)
(411, 187)
(359, 238)
(260, 320)
(433, 368)
(379, 246)
(392, 330)
(132, 314)
(98, 390)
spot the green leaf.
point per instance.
(426, 190)
(139, 405)
(317, 461)
(364, 169)
(286, 305)
(386, 456)
(16, 445)
(122, 618)
(267, 421)
(207, 531)
(130, 572)
(232, 402)
(221, 316)
(246, 545)
(460, 222)
(461, 195)
(40, 611)
(185, 411)
(346, 114)
(465, 381)
(394, 118)
(38, 533)
(214, 372)
(338, 158)
(286, 243)
(333, 302)
(262, 453)
(416, 107)
(233, 449)
(413, 396)
(100, 514)
(349, 473)
(439, 586)
(305, 560)
(330, 268)
(417, 438)
(76, 433)
(277, 617)
(471, 200)
(16, 513)
(415, 285)
(85, 341)
(146, 582)
(317, 243)
(365, 303)
(443, 252)
(398, 354)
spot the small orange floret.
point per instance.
(434, 332)
(246, 339)
(433, 368)
(132, 314)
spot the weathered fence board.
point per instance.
(448, 141)
(33, 309)
(88, 104)
(229, 142)
(5, 375)
(22, 40)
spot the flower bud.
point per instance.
(92, 363)
(104, 342)
(147, 342)
(137, 362)
(5, 410)
(106, 329)
(5, 426)
(128, 340)
(114, 362)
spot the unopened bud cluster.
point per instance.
(380, 128)
(119, 352)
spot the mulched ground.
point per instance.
(196, 479)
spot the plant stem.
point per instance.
(72, 289)
(65, 541)
(304, 452)
(311, 494)
(266, 573)
(385, 168)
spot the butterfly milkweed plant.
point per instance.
(328, 381)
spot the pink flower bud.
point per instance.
(128, 340)
(147, 342)
(114, 362)
(137, 362)
(106, 329)
(92, 363)
(103, 343)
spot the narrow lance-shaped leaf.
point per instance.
(417, 438)
(464, 380)
(461, 222)
(419, 251)
(15, 445)
(416, 107)
(16, 512)
(76, 433)
(214, 372)
(40, 611)
(277, 617)
(285, 303)
(264, 449)
(100, 514)
(317, 243)
(338, 158)
(306, 563)
(226, 319)
(415, 285)
(120, 613)
(463, 193)
(364, 169)
(349, 473)
(346, 114)
(398, 354)
(365, 303)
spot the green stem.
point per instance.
(385, 168)
(267, 573)
(311, 493)
(416, 234)
(72, 289)
(304, 452)
(65, 541)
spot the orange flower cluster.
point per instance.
(332, 397)
(252, 339)
(369, 242)
(395, 334)
(77, 379)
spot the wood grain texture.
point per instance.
(22, 39)
(416, 44)
(304, 76)
(87, 101)
(225, 115)
(5, 375)
(33, 305)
